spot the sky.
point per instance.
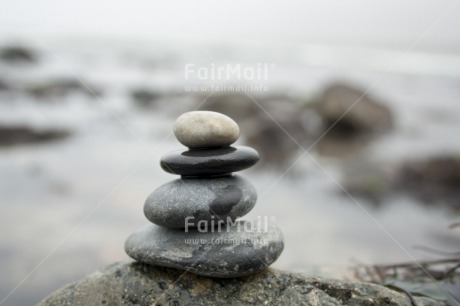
(434, 24)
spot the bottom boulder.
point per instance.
(133, 283)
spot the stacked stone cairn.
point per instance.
(195, 227)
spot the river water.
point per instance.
(68, 206)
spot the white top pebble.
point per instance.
(205, 129)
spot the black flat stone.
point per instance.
(209, 162)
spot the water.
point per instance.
(68, 206)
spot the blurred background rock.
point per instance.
(89, 92)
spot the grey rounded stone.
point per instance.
(200, 199)
(241, 249)
(205, 129)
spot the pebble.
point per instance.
(233, 253)
(203, 199)
(205, 129)
(209, 163)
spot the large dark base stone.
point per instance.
(223, 254)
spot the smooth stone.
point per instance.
(211, 162)
(232, 252)
(203, 199)
(205, 129)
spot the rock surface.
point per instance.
(212, 162)
(273, 139)
(237, 252)
(129, 283)
(18, 135)
(57, 89)
(203, 199)
(363, 113)
(204, 129)
(17, 54)
(236, 105)
(432, 180)
(144, 97)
